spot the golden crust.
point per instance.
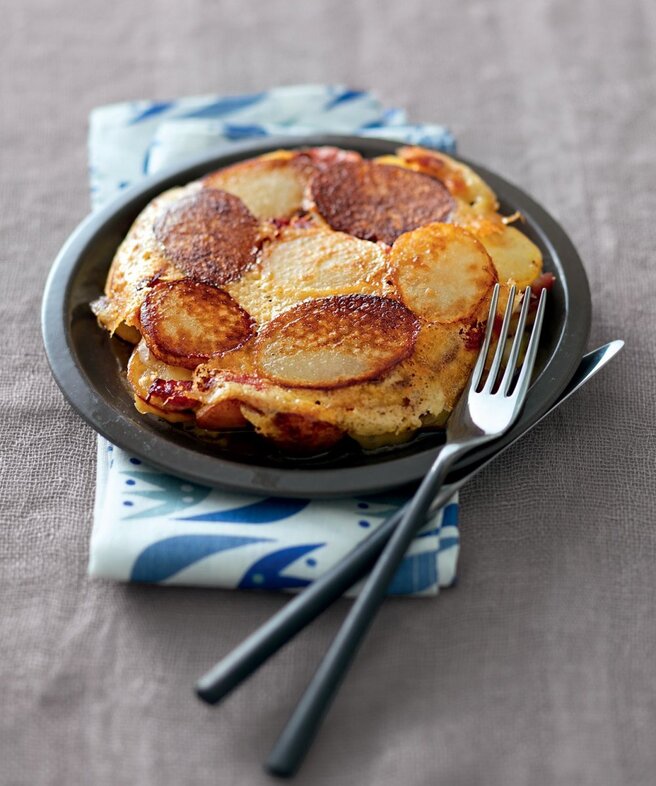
(210, 235)
(516, 259)
(186, 322)
(138, 260)
(310, 262)
(461, 181)
(336, 341)
(377, 202)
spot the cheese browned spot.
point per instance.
(310, 263)
(336, 341)
(210, 235)
(377, 202)
(185, 322)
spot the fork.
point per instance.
(484, 412)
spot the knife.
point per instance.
(239, 664)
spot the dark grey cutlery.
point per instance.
(485, 411)
(264, 642)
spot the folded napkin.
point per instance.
(152, 527)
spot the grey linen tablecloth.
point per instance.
(539, 667)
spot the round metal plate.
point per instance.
(86, 363)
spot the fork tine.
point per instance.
(498, 355)
(482, 355)
(531, 351)
(516, 345)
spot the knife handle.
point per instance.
(264, 642)
(239, 664)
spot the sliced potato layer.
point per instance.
(269, 187)
(442, 272)
(311, 263)
(137, 261)
(210, 235)
(224, 414)
(514, 255)
(377, 202)
(462, 182)
(185, 322)
(336, 341)
(160, 389)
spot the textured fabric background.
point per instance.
(545, 650)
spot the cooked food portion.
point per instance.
(378, 202)
(336, 341)
(138, 260)
(186, 322)
(161, 389)
(209, 235)
(460, 180)
(515, 257)
(312, 295)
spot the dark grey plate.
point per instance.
(86, 363)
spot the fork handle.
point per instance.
(297, 736)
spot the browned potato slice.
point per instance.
(377, 202)
(514, 255)
(210, 235)
(336, 341)
(310, 263)
(269, 187)
(185, 322)
(463, 183)
(174, 395)
(144, 368)
(294, 431)
(442, 272)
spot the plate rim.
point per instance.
(234, 476)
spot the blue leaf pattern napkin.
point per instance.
(152, 527)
